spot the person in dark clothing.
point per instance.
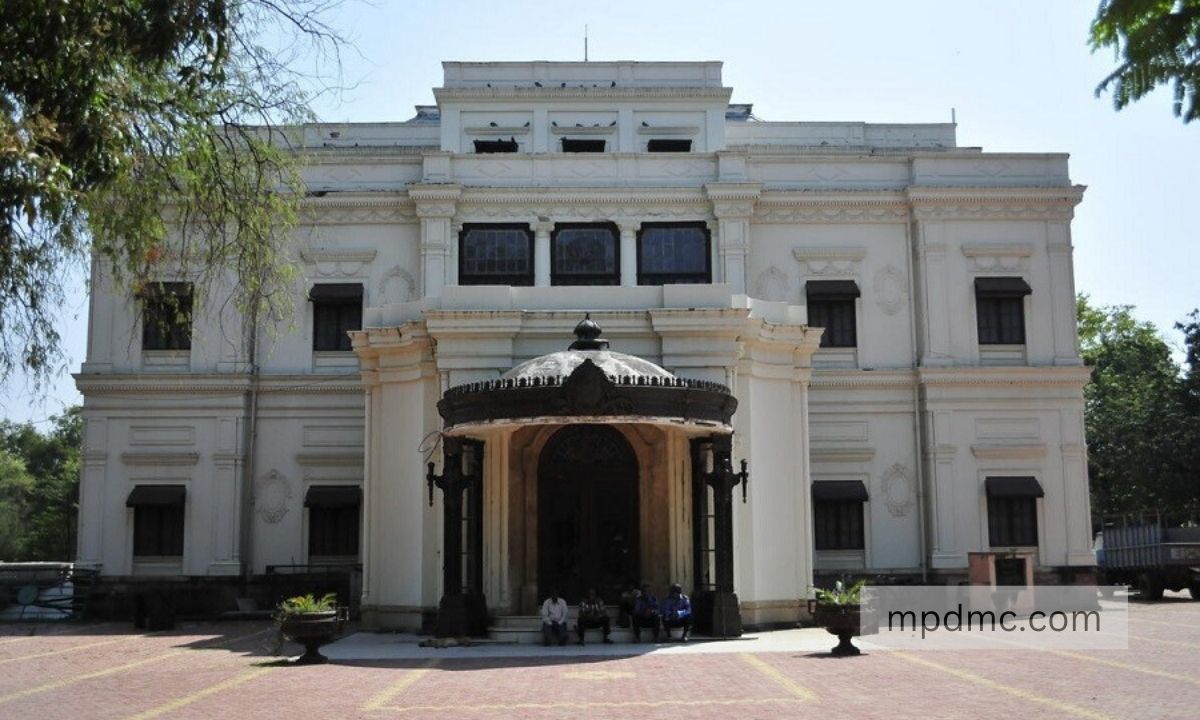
(677, 613)
(593, 614)
(645, 614)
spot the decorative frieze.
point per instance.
(997, 257)
(830, 261)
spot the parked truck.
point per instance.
(1151, 553)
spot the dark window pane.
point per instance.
(1012, 521)
(838, 525)
(158, 531)
(838, 319)
(495, 255)
(167, 316)
(333, 531)
(334, 318)
(496, 146)
(585, 255)
(569, 145)
(1001, 320)
(673, 254)
(669, 146)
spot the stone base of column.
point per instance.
(462, 616)
(726, 616)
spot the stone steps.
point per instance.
(527, 629)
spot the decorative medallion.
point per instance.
(898, 490)
(890, 290)
(271, 495)
(772, 284)
(398, 287)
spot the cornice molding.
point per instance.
(994, 203)
(329, 459)
(555, 93)
(973, 250)
(842, 455)
(336, 255)
(357, 209)
(865, 379)
(211, 384)
(1041, 376)
(856, 206)
(829, 254)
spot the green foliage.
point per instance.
(148, 135)
(1142, 436)
(841, 594)
(302, 604)
(1156, 42)
(39, 489)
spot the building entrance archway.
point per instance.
(587, 513)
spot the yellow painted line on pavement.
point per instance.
(200, 694)
(65, 650)
(64, 682)
(1129, 666)
(1075, 710)
(495, 707)
(380, 701)
(780, 679)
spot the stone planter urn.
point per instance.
(844, 621)
(312, 630)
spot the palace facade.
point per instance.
(814, 349)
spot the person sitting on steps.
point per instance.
(677, 613)
(645, 614)
(593, 614)
(554, 619)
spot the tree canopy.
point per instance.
(1156, 42)
(148, 134)
(1142, 431)
(39, 489)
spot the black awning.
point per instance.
(156, 495)
(1013, 487)
(839, 490)
(335, 292)
(333, 496)
(1001, 287)
(831, 289)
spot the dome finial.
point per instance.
(587, 335)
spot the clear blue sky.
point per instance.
(1019, 74)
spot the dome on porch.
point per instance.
(587, 381)
(589, 345)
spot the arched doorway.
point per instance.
(587, 513)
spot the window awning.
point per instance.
(334, 292)
(1001, 287)
(840, 490)
(831, 289)
(333, 496)
(1013, 487)
(156, 495)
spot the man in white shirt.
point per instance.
(554, 619)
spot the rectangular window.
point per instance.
(585, 254)
(674, 254)
(838, 515)
(337, 309)
(832, 305)
(582, 146)
(660, 145)
(495, 255)
(497, 146)
(333, 520)
(157, 520)
(167, 316)
(1012, 511)
(1000, 310)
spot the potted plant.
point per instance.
(840, 612)
(311, 622)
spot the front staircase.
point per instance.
(527, 629)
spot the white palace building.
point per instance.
(814, 349)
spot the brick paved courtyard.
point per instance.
(207, 670)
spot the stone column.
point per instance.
(436, 205)
(733, 206)
(541, 253)
(1062, 296)
(933, 292)
(629, 262)
(944, 552)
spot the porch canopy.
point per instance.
(587, 383)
